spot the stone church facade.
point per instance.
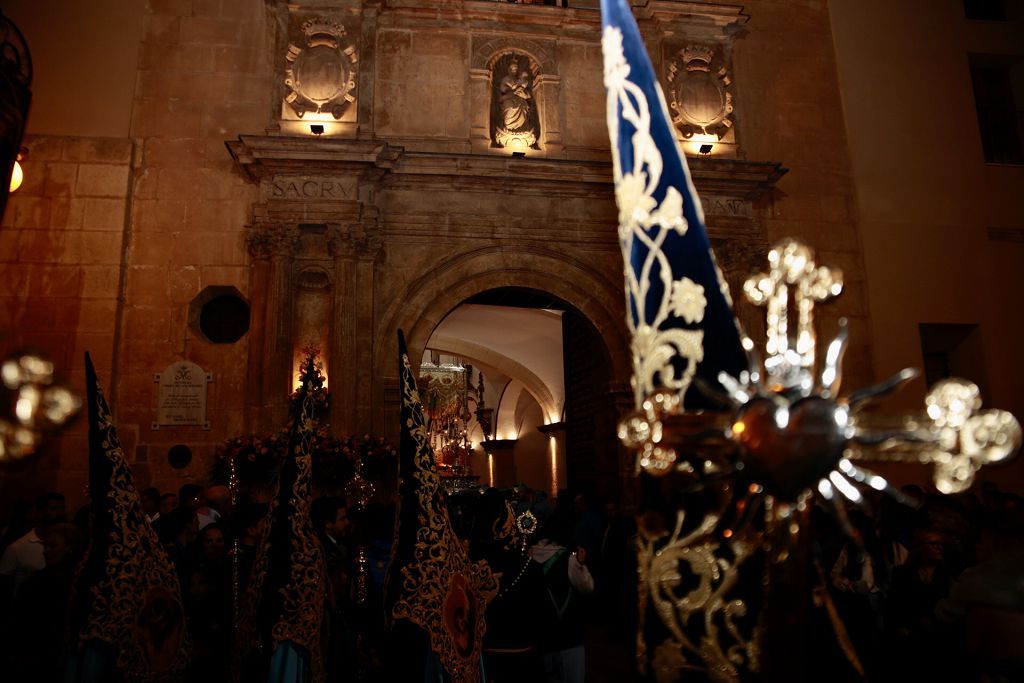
(350, 168)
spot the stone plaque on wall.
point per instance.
(181, 397)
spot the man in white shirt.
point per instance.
(25, 555)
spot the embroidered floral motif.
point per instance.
(442, 590)
(664, 355)
(688, 300)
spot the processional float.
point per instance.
(732, 449)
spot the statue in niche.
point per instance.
(514, 120)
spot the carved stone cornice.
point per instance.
(270, 156)
(732, 177)
(260, 156)
(722, 17)
(266, 241)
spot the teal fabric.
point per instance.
(288, 665)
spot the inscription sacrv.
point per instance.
(307, 189)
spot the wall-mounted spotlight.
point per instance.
(706, 149)
(316, 129)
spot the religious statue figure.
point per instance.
(514, 112)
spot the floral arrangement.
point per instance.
(258, 457)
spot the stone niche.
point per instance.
(317, 70)
(694, 49)
(313, 240)
(515, 90)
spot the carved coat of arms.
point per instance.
(321, 75)
(699, 92)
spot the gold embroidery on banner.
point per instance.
(663, 561)
(137, 606)
(442, 591)
(302, 595)
(643, 220)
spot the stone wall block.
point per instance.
(236, 276)
(100, 281)
(217, 119)
(28, 212)
(97, 316)
(153, 247)
(850, 263)
(213, 31)
(99, 247)
(183, 284)
(146, 180)
(206, 8)
(179, 183)
(181, 8)
(55, 280)
(101, 180)
(797, 207)
(100, 346)
(169, 152)
(103, 214)
(59, 179)
(146, 322)
(837, 208)
(171, 118)
(98, 150)
(147, 285)
(164, 84)
(159, 214)
(162, 29)
(67, 213)
(235, 60)
(43, 147)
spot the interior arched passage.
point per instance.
(477, 352)
(580, 451)
(592, 292)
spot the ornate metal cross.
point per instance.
(786, 435)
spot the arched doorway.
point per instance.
(539, 394)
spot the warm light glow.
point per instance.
(331, 126)
(738, 428)
(554, 468)
(490, 469)
(17, 176)
(297, 377)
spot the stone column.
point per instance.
(273, 248)
(480, 109)
(368, 249)
(342, 370)
(548, 93)
(260, 314)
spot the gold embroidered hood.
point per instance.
(431, 581)
(285, 597)
(126, 593)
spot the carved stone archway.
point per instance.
(591, 292)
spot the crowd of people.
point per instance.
(535, 627)
(927, 588)
(925, 591)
